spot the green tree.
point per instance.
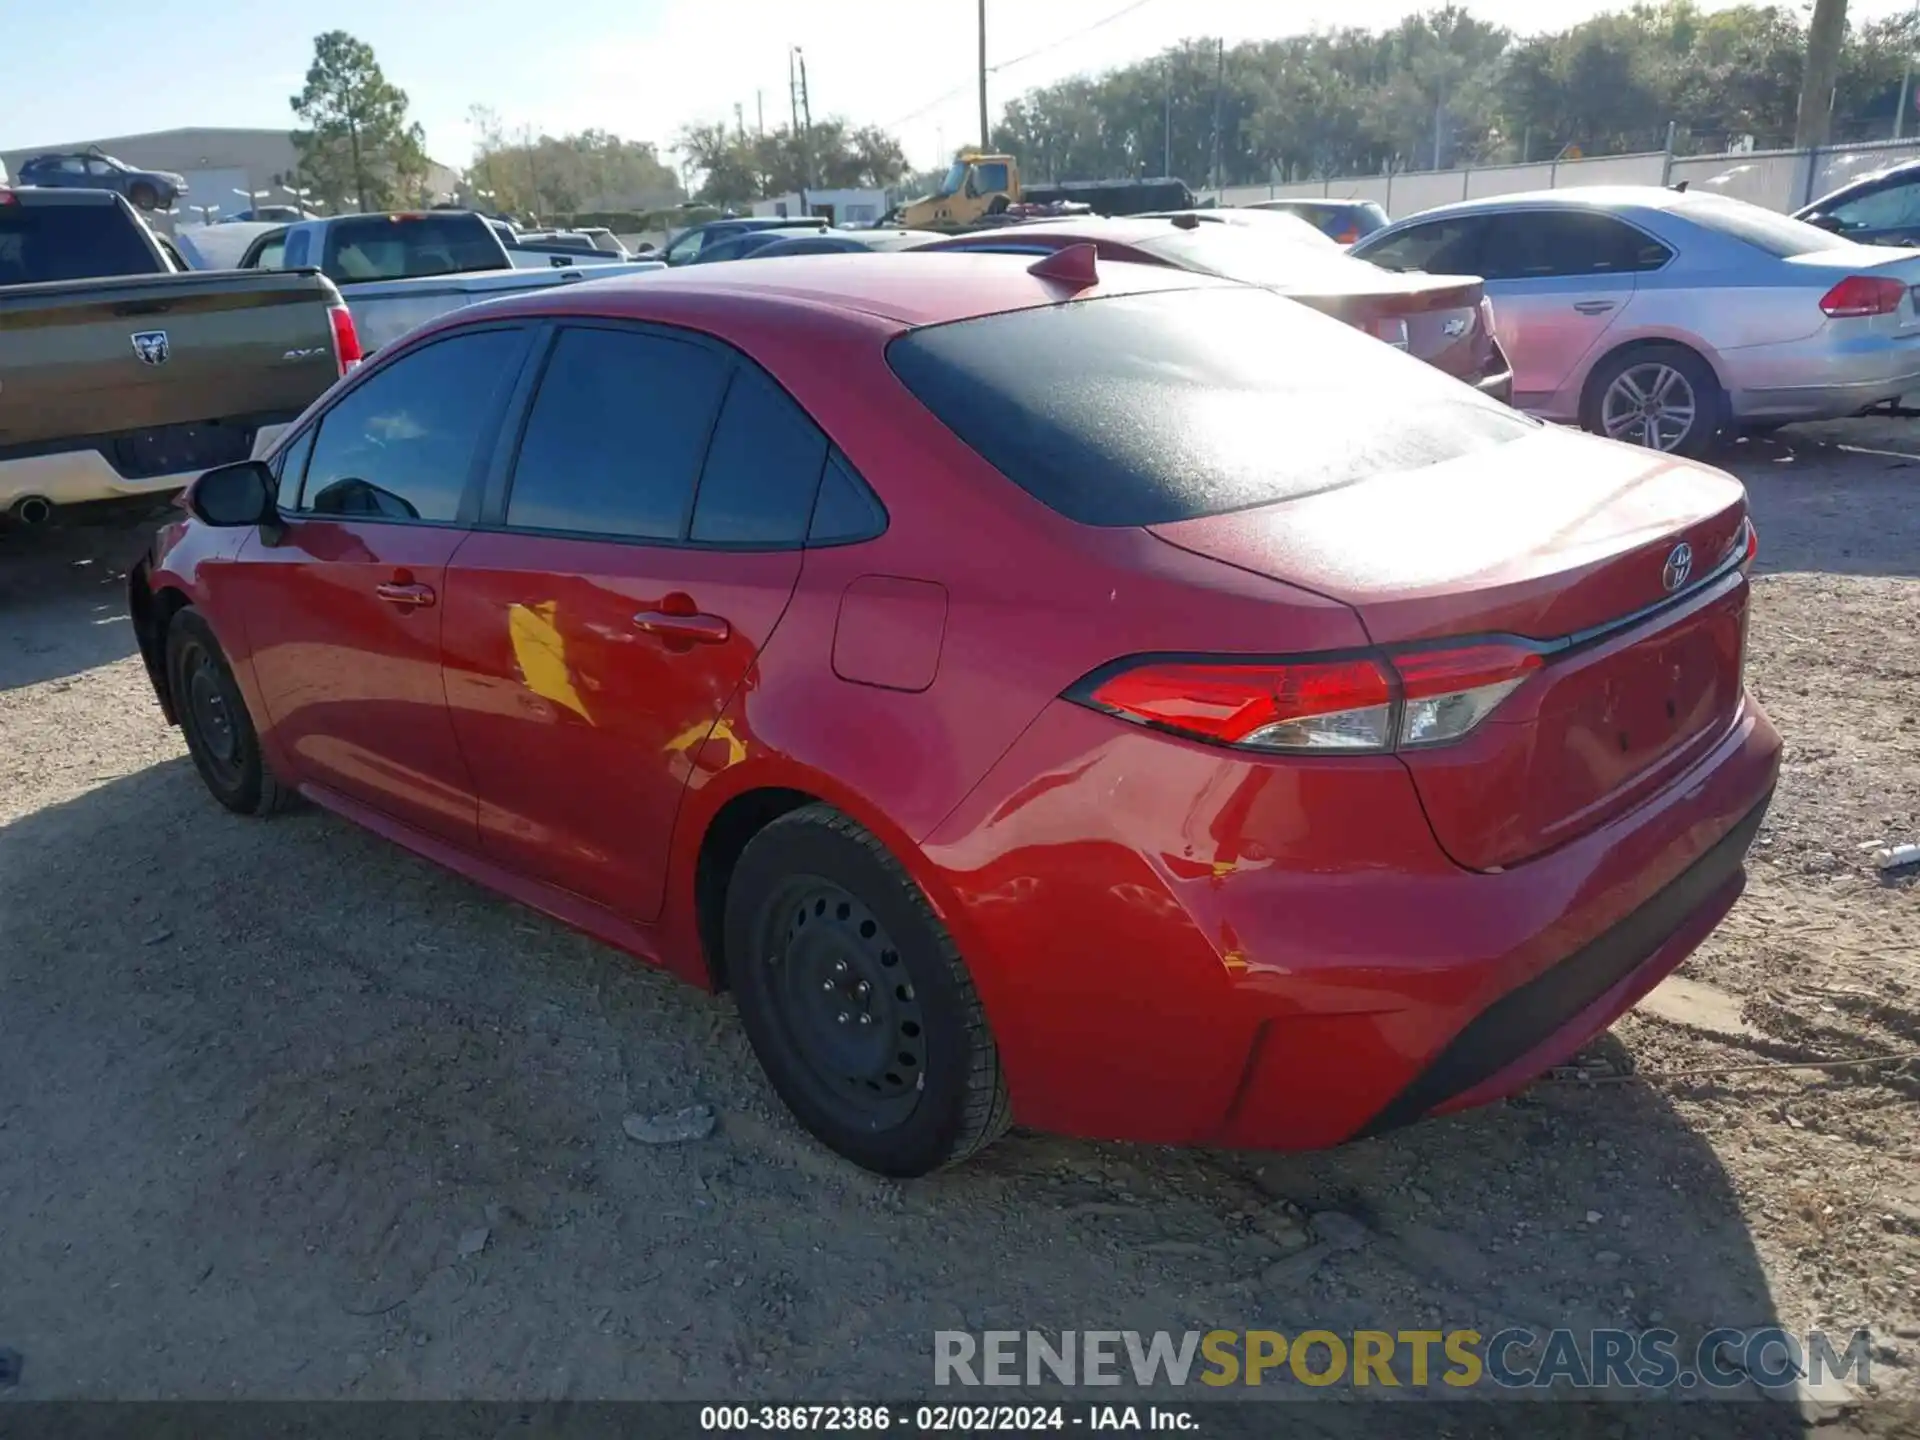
(356, 142)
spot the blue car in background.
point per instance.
(95, 170)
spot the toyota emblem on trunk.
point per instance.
(1679, 565)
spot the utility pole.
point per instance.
(1814, 119)
(739, 121)
(760, 113)
(1219, 86)
(986, 142)
(1911, 38)
(1168, 127)
(1439, 124)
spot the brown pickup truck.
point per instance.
(121, 376)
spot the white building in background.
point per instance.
(216, 163)
(839, 207)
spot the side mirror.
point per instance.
(233, 495)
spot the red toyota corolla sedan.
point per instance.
(1037, 691)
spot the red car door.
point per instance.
(344, 609)
(601, 618)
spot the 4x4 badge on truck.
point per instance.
(151, 346)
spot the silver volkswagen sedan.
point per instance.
(1663, 318)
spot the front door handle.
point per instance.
(406, 595)
(1593, 307)
(700, 629)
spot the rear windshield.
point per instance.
(70, 242)
(1146, 409)
(385, 247)
(1776, 234)
(1286, 253)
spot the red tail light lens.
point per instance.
(1863, 295)
(1361, 705)
(1305, 705)
(346, 339)
(1348, 236)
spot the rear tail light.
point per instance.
(346, 339)
(7, 197)
(1863, 295)
(1347, 705)
(1746, 542)
(1393, 331)
(1486, 314)
(1348, 236)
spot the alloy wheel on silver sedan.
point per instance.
(1650, 404)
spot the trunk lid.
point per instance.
(1562, 540)
(216, 345)
(1435, 318)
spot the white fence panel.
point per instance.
(1835, 168)
(1642, 169)
(1775, 179)
(1508, 180)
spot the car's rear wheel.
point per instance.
(144, 197)
(213, 718)
(856, 999)
(1664, 397)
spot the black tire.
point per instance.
(1645, 368)
(916, 1084)
(144, 197)
(214, 719)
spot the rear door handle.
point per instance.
(406, 596)
(1593, 307)
(700, 629)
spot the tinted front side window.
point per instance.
(1546, 243)
(1441, 247)
(1894, 208)
(1145, 409)
(614, 442)
(399, 446)
(762, 469)
(290, 468)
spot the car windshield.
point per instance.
(1776, 234)
(956, 177)
(1252, 254)
(1147, 409)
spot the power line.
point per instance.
(942, 99)
(1064, 39)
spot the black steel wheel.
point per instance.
(856, 999)
(213, 717)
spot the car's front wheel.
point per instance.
(144, 197)
(1664, 397)
(856, 999)
(213, 718)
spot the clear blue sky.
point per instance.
(641, 68)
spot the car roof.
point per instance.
(1578, 197)
(904, 288)
(1126, 229)
(64, 195)
(1871, 177)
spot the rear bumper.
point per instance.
(1821, 379)
(77, 477)
(1178, 945)
(1538, 1024)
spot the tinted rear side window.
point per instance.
(762, 469)
(615, 438)
(69, 242)
(1146, 409)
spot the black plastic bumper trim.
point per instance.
(1528, 1014)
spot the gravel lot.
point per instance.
(285, 1112)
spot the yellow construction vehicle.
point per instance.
(983, 188)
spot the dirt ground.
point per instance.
(285, 1112)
